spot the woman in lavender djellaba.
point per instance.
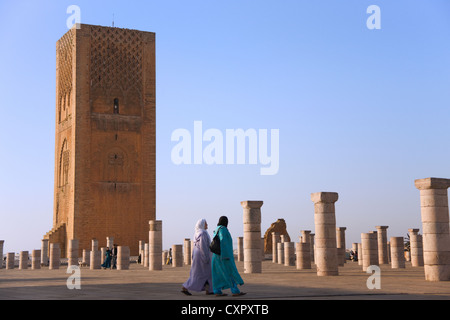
(200, 278)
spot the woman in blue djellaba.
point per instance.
(224, 272)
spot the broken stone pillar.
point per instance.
(155, 261)
(325, 228)
(55, 256)
(44, 252)
(177, 255)
(360, 256)
(35, 259)
(416, 247)
(252, 236)
(369, 249)
(311, 246)
(110, 242)
(435, 226)
(102, 255)
(355, 249)
(340, 244)
(280, 252)
(72, 252)
(382, 244)
(187, 252)
(95, 258)
(397, 253)
(10, 260)
(146, 248)
(389, 251)
(303, 255)
(1, 253)
(275, 240)
(141, 251)
(240, 249)
(23, 260)
(263, 255)
(123, 258)
(86, 257)
(289, 254)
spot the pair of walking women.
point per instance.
(211, 272)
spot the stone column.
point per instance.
(141, 251)
(389, 251)
(355, 248)
(155, 261)
(252, 236)
(72, 253)
(86, 257)
(177, 255)
(1, 253)
(397, 253)
(23, 260)
(382, 244)
(110, 242)
(289, 254)
(35, 259)
(369, 249)
(325, 227)
(275, 239)
(263, 254)
(10, 260)
(123, 258)
(146, 248)
(280, 252)
(311, 247)
(95, 256)
(416, 247)
(360, 255)
(44, 252)
(55, 256)
(306, 236)
(435, 226)
(340, 244)
(187, 252)
(102, 255)
(240, 249)
(303, 255)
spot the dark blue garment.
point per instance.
(107, 263)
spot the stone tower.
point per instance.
(105, 137)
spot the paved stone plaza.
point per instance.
(276, 282)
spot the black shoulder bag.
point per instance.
(215, 244)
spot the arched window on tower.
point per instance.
(116, 106)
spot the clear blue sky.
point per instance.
(360, 112)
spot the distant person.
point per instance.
(224, 272)
(107, 263)
(169, 258)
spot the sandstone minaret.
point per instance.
(105, 137)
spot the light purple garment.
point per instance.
(200, 273)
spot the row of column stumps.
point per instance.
(432, 249)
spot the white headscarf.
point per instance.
(200, 228)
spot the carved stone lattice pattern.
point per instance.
(116, 59)
(65, 74)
